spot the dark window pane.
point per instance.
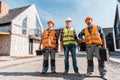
(24, 26)
(38, 28)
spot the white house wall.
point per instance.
(31, 21)
(19, 46)
(35, 46)
(19, 42)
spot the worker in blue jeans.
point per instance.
(68, 40)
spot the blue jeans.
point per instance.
(72, 49)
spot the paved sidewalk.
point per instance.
(115, 57)
(7, 61)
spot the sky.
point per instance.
(102, 11)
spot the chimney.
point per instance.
(4, 9)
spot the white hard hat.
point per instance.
(68, 19)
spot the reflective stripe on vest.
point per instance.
(68, 37)
(93, 37)
(49, 41)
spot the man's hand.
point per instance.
(40, 44)
(61, 44)
(83, 40)
(77, 45)
(104, 46)
(104, 43)
(40, 48)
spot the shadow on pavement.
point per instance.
(69, 76)
(77, 55)
(20, 73)
(81, 55)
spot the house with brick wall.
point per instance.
(20, 30)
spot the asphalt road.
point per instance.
(30, 69)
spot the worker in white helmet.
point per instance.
(68, 40)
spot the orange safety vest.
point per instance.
(49, 41)
(93, 37)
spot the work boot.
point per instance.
(103, 73)
(65, 72)
(43, 73)
(89, 74)
(77, 73)
(54, 72)
(104, 77)
(89, 71)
